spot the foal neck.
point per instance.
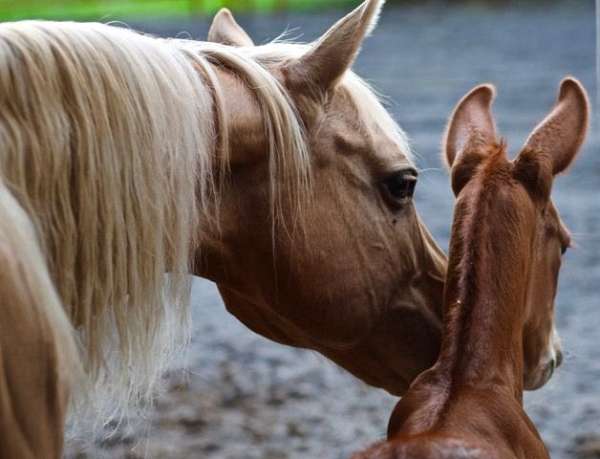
(486, 286)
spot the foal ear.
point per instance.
(334, 53)
(471, 124)
(226, 31)
(560, 135)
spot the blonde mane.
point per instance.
(111, 142)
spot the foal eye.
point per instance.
(400, 186)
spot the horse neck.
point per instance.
(484, 301)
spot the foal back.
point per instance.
(436, 421)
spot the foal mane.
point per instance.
(474, 223)
(471, 223)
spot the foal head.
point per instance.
(522, 190)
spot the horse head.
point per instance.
(334, 258)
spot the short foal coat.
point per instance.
(506, 233)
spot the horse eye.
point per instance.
(400, 186)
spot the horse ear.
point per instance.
(471, 124)
(226, 31)
(334, 53)
(560, 135)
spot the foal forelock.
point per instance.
(477, 221)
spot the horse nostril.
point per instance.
(559, 358)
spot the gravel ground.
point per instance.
(244, 397)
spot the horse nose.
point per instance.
(550, 369)
(559, 358)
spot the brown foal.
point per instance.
(505, 255)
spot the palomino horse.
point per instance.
(505, 255)
(272, 170)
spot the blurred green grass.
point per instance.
(123, 9)
(111, 9)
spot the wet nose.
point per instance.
(559, 358)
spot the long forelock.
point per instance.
(288, 152)
(289, 160)
(365, 98)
